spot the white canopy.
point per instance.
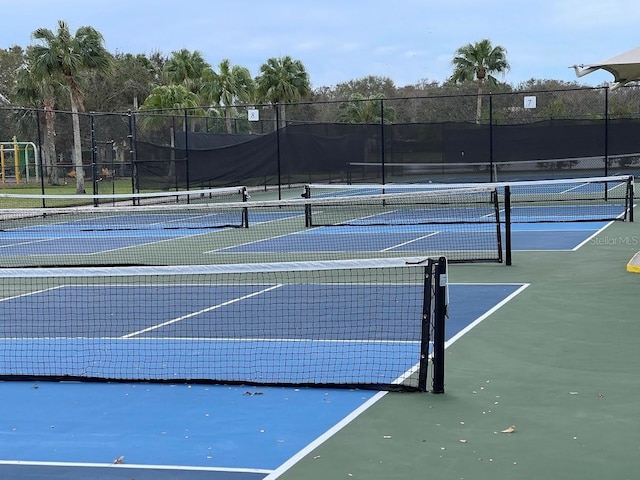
(625, 67)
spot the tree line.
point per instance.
(72, 71)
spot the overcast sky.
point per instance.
(341, 40)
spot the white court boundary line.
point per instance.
(282, 469)
(590, 237)
(133, 466)
(584, 242)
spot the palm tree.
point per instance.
(186, 68)
(283, 80)
(167, 98)
(360, 109)
(230, 85)
(65, 56)
(479, 61)
(30, 91)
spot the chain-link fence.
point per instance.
(477, 138)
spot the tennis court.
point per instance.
(76, 430)
(188, 327)
(466, 224)
(410, 240)
(266, 333)
(72, 239)
(99, 233)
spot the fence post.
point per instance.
(491, 174)
(382, 142)
(40, 151)
(94, 173)
(606, 135)
(277, 107)
(132, 156)
(186, 151)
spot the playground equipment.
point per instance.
(18, 160)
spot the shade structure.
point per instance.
(625, 67)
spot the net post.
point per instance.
(439, 313)
(496, 208)
(307, 207)
(425, 337)
(630, 185)
(245, 210)
(507, 225)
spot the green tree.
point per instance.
(186, 68)
(231, 84)
(170, 97)
(283, 80)
(134, 76)
(167, 98)
(11, 60)
(62, 55)
(30, 91)
(365, 110)
(366, 86)
(161, 106)
(478, 62)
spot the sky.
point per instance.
(408, 41)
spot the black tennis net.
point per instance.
(16, 201)
(462, 225)
(562, 200)
(355, 323)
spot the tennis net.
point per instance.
(355, 323)
(462, 224)
(561, 200)
(428, 224)
(210, 195)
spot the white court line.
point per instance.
(584, 242)
(324, 437)
(409, 241)
(255, 241)
(588, 239)
(204, 310)
(36, 292)
(481, 318)
(29, 242)
(580, 185)
(134, 466)
(282, 469)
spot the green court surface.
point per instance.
(560, 363)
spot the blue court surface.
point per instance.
(411, 239)
(553, 236)
(236, 332)
(403, 239)
(534, 228)
(114, 232)
(77, 430)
